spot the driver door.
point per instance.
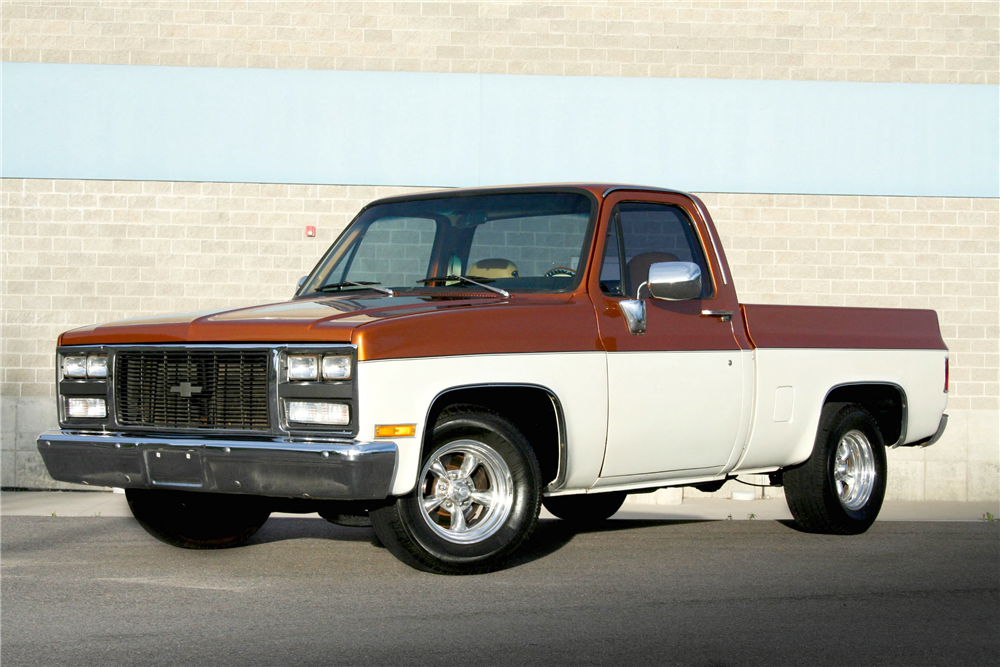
(676, 392)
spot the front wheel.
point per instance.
(841, 487)
(477, 497)
(195, 520)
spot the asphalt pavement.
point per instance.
(643, 589)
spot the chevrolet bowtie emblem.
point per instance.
(185, 389)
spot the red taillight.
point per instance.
(946, 375)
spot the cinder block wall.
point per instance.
(928, 42)
(79, 252)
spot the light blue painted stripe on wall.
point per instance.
(400, 128)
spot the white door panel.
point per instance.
(672, 411)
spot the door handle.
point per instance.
(724, 315)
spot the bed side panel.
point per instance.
(791, 386)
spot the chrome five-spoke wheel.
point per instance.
(854, 470)
(466, 491)
(476, 499)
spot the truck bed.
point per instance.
(802, 354)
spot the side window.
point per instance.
(658, 233)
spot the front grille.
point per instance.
(211, 389)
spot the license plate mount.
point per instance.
(175, 468)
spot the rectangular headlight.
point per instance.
(74, 367)
(315, 412)
(336, 367)
(303, 367)
(97, 367)
(87, 408)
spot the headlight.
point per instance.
(315, 412)
(97, 367)
(302, 367)
(75, 367)
(336, 368)
(87, 408)
(93, 366)
(306, 367)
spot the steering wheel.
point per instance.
(560, 272)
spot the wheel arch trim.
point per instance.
(561, 443)
(904, 414)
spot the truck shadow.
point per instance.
(280, 529)
(790, 523)
(550, 536)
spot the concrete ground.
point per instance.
(96, 503)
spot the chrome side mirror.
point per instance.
(298, 286)
(674, 281)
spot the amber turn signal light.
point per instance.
(396, 431)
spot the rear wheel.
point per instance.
(477, 497)
(585, 509)
(841, 487)
(197, 520)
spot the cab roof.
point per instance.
(598, 190)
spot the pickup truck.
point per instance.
(460, 358)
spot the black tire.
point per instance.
(499, 504)
(585, 509)
(814, 497)
(194, 520)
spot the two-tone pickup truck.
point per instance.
(459, 358)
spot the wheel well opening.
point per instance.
(885, 402)
(531, 409)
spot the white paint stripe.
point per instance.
(403, 128)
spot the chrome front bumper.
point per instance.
(281, 467)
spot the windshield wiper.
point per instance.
(361, 283)
(438, 279)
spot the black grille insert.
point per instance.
(212, 389)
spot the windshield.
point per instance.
(512, 242)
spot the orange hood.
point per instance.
(382, 327)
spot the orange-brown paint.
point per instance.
(843, 328)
